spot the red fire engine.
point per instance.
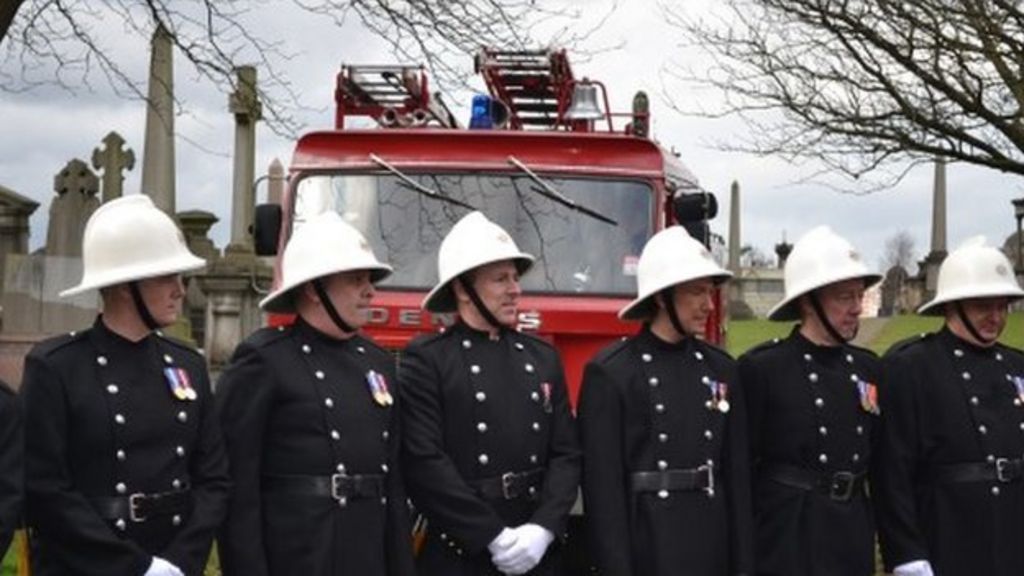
(542, 157)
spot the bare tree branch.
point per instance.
(864, 86)
(62, 42)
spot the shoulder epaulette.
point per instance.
(268, 335)
(536, 339)
(51, 345)
(177, 343)
(909, 342)
(764, 346)
(611, 351)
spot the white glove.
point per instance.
(503, 541)
(161, 567)
(915, 568)
(531, 542)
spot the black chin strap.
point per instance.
(141, 308)
(816, 304)
(970, 326)
(332, 312)
(666, 299)
(475, 298)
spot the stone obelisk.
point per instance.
(734, 228)
(930, 264)
(158, 153)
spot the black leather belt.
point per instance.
(841, 486)
(339, 487)
(140, 507)
(510, 485)
(1001, 470)
(677, 480)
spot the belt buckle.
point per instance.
(841, 486)
(507, 484)
(1004, 473)
(337, 482)
(133, 507)
(708, 488)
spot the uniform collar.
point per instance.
(658, 344)
(956, 342)
(307, 332)
(108, 340)
(822, 352)
(465, 330)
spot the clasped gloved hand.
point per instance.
(161, 567)
(531, 541)
(915, 568)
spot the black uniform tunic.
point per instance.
(806, 414)
(476, 409)
(295, 402)
(11, 469)
(101, 422)
(950, 403)
(648, 405)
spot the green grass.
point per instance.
(901, 327)
(742, 335)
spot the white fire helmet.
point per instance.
(821, 257)
(130, 239)
(321, 246)
(670, 257)
(472, 242)
(973, 270)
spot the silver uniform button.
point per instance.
(518, 345)
(646, 357)
(823, 458)
(709, 434)
(121, 456)
(319, 374)
(306, 349)
(999, 357)
(813, 376)
(180, 451)
(856, 457)
(120, 488)
(966, 375)
(112, 388)
(819, 402)
(991, 458)
(958, 353)
(176, 484)
(849, 358)
(823, 430)
(662, 437)
(535, 396)
(121, 524)
(340, 468)
(360, 349)
(659, 408)
(483, 459)
(529, 368)
(698, 355)
(119, 419)
(982, 429)
(860, 430)
(653, 381)
(481, 427)
(807, 357)
(329, 402)
(662, 465)
(335, 435)
(481, 396)
(995, 490)
(168, 359)
(467, 344)
(385, 435)
(384, 468)
(663, 494)
(535, 426)
(533, 459)
(474, 369)
(176, 520)
(974, 401)
(182, 416)
(101, 360)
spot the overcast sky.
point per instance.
(42, 129)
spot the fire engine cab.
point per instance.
(578, 186)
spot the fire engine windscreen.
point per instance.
(575, 253)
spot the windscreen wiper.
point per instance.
(544, 188)
(416, 186)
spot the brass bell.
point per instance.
(583, 105)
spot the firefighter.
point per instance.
(664, 430)
(309, 415)
(125, 466)
(951, 488)
(490, 446)
(813, 413)
(11, 469)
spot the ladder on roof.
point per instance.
(391, 95)
(535, 85)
